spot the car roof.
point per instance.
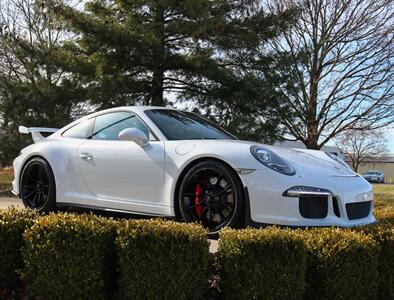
(138, 109)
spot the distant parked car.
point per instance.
(374, 176)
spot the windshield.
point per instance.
(179, 125)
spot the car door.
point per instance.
(121, 174)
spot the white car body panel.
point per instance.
(124, 176)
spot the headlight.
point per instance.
(271, 160)
(337, 159)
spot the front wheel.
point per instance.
(211, 194)
(37, 186)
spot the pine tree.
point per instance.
(134, 51)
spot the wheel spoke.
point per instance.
(202, 213)
(31, 193)
(223, 205)
(194, 195)
(38, 198)
(33, 203)
(28, 187)
(195, 205)
(220, 178)
(221, 214)
(221, 192)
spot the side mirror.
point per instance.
(135, 135)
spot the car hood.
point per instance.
(303, 160)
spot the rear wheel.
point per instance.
(211, 194)
(37, 186)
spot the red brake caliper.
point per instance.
(198, 199)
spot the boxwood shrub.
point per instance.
(68, 256)
(162, 260)
(342, 264)
(261, 264)
(13, 223)
(383, 234)
(385, 215)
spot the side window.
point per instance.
(108, 126)
(79, 131)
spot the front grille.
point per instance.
(358, 210)
(313, 206)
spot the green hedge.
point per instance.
(69, 256)
(342, 264)
(13, 223)
(162, 260)
(261, 264)
(385, 215)
(383, 234)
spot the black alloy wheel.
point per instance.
(37, 186)
(211, 194)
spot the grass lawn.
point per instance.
(6, 177)
(384, 195)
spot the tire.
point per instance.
(211, 193)
(37, 186)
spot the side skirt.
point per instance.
(92, 207)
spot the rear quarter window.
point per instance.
(80, 131)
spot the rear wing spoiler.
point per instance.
(36, 132)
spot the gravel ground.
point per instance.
(7, 201)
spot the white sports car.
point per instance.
(170, 163)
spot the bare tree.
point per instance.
(340, 56)
(35, 89)
(25, 24)
(359, 145)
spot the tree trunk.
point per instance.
(312, 122)
(354, 164)
(157, 98)
(157, 89)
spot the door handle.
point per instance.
(86, 156)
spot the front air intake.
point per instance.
(358, 210)
(313, 206)
(335, 206)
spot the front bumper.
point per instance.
(374, 179)
(15, 183)
(349, 203)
